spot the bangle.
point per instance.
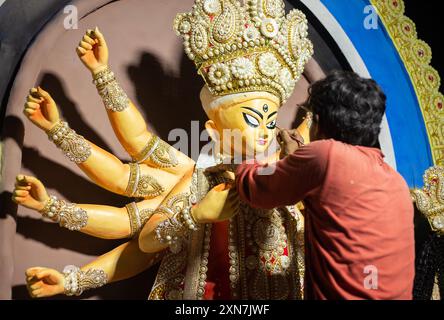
(137, 217)
(68, 215)
(113, 96)
(50, 208)
(73, 146)
(169, 232)
(158, 152)
(78, 281)
(178, 223)
(142, 186)
(134, 218)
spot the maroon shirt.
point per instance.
(358, 220)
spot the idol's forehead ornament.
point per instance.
(246, 48)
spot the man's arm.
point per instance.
(287, 181)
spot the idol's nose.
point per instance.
(263, 133)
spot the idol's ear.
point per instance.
(212, 130)
(305, 127)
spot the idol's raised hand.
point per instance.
(219, 204)
(44, 282)
(93, 51)
(30, 193)
(41, 109)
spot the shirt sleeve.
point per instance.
(287, 181)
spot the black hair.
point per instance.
(350, 108)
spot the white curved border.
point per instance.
(357, 64)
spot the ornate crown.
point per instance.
(239, 48)
(430, 199)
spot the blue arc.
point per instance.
(410, 141)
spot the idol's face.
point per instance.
(254, 119)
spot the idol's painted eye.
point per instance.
(250, 120)
(271, 125)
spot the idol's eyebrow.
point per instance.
(255, 111)
(271, 114)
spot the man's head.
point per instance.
(249, 117)
(347, 108)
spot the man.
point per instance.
(359, 214)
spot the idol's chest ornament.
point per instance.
(265, 254)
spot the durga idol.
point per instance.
(211, 246)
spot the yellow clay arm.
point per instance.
(131, 130)
(147, 237)
(132, 180)
(124, 262)
(219, 204)
(100, 166)
(126, 120)
(121, 263)
(108, 222)
(96, 220)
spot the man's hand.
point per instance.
(290, 141)
(93, 51)
(41, 109)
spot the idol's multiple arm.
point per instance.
(156, 170)
(159, 174)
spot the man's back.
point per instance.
(359, 227)
(359, 217)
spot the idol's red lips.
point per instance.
(262, 142)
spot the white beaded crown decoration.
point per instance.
(244, 48)
(430, 199)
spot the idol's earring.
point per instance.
(309, 118)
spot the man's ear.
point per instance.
(212, 130)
